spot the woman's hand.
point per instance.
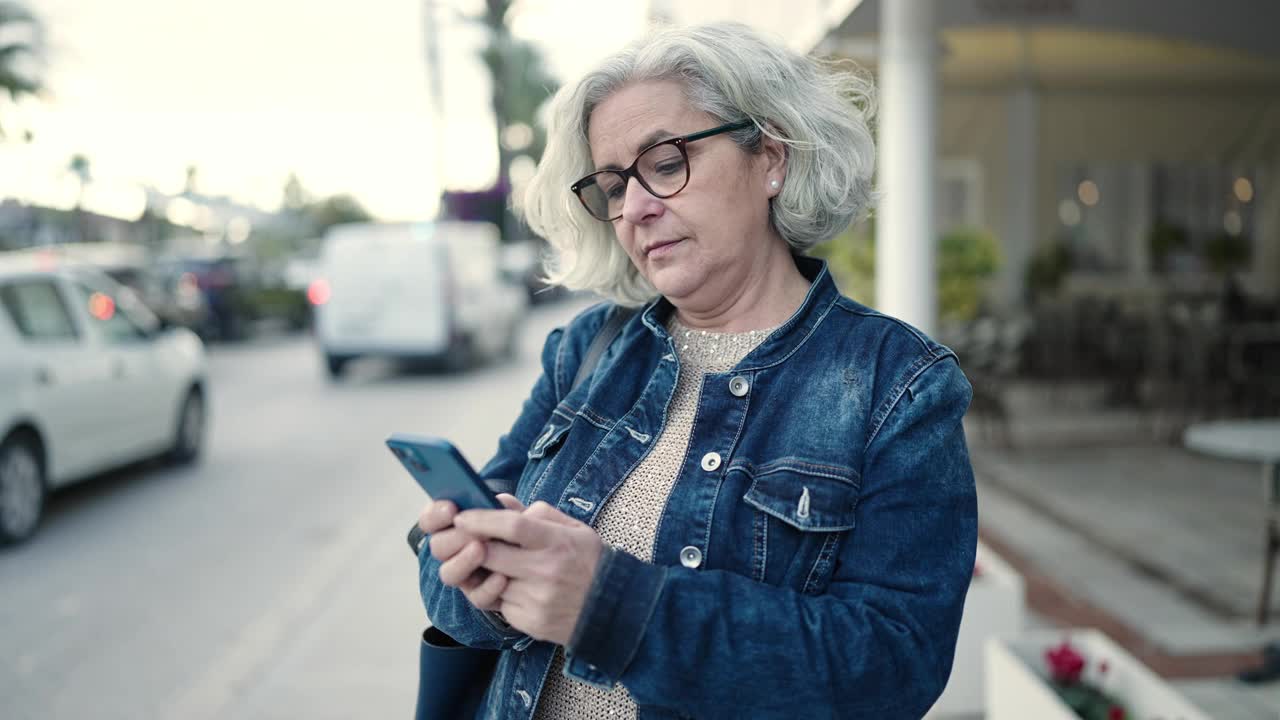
(548, 561)
(460, 553)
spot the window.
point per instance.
(1172, 217)
(38, 310)
(1211, 210)
(959, 194)
(108, 310)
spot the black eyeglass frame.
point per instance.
(632, 172)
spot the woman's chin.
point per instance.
(674, 284)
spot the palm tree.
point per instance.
(79, 167)
(13, 80)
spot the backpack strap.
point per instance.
(618, 316)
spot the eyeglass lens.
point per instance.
(662, 170)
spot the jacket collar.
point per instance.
(789, 336)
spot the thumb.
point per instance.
(545, 511)
(510, 502)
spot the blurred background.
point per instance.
(243, 242)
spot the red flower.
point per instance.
(1115, 713)
(1065, 663)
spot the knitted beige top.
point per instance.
(629, 520)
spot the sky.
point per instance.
(248, 91)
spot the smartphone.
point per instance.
(442, 471)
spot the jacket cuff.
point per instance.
(614, 618)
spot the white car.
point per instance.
(89, 380)
(419, 291)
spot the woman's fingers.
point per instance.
(486, 593)
(439, 514)
(455, 571)
(516, 528)
(446, 543)
(545, 511)
(436, 516)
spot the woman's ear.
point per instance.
(774, 155)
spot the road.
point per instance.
(271, 580)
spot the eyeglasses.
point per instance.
(661, 168)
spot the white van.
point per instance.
(420, 291)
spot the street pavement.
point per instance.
(271, 580)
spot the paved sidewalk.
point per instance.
(1157, 546)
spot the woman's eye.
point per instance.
(671, 167)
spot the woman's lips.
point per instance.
(662, 248)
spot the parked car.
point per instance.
(175, 299)
(521, 263)
(222, 282)
(239, 294)
(421, 291)
(90, 379)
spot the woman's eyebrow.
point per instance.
(656, 136)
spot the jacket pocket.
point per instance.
(809, 498)
(802, 511)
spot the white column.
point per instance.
(1265, 265)
(906, 236)
(1019, 241)
(1138, 222)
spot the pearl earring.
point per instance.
(773, 184)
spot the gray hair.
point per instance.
(819, 111)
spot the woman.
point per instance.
(760, 503)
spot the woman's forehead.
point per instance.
(636, 116)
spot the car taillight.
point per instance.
(102, 306)
(319, 292)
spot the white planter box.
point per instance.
(1017, 688)
(994, 606)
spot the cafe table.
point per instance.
(1253, 440)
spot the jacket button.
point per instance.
(690, 556)
(739, 386)
(710, 461)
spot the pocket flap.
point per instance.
(549, 438)
(797, 495)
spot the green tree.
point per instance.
(967, 259)
(294, 197)
(334, 210)
(17, 21)
(521, 84)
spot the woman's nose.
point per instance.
(638, 204)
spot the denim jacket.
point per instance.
(814, 554)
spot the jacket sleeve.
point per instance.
(879, 643)
(448, 609)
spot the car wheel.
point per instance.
(189, 438)
(22, 489)
(510, 341)
(335, 364)
(461, 355)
